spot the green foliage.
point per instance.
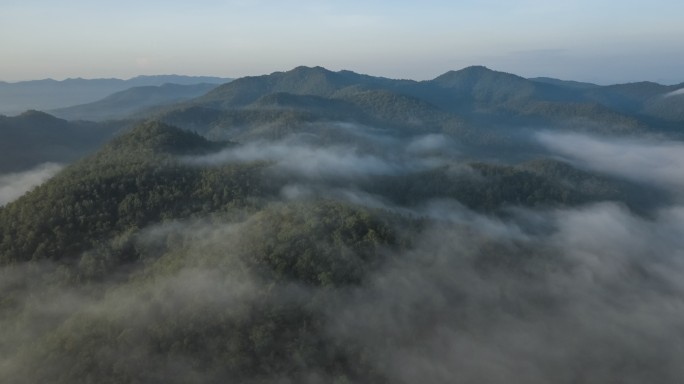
(327, 244)
(134, 265)
(464, 104)
(488, 187)
(222, 301)
(132, 182)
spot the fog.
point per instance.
(591, 294)
(304, 160)
(304, 156)
(675, 93)
(600, 302)
(647, 160)
(548, 294)
(13, 185)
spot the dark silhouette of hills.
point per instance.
(565, 83)
(480, 107)
(52, 94)
(36, 137)
(133, 100)
(474, 104)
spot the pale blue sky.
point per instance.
(601, 41)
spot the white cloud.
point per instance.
(656, 162)
(13, 185)
(675, 93)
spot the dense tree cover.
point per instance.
(329, 244)
(128, 184)
(484, 110)
(490, 187)
(136, 180)
(587, 117)
(143, 264)
(215, 301)
(476, 96)
(395, 109)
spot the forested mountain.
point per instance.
(132, 100)
(52, 94)
(35, 137)
(565, 83)
(644, 99)
(476, 104)
(655, 102)
(313, 226)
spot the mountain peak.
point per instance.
(476, 69)
(472, 73)
(157, 137)
(37, 117)
(304, 68)
(315, 81)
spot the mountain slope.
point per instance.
(36, 137)
(484, 118)
(132, 181)
(480, 87)
(130, 101)
(565, 83)
(51, 94)
(168, 258)
(351, 229)
(646, 99)
(315, 81)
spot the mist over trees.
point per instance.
(312, 226)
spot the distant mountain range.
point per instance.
(483, 109)
(133, 100)
(474, 103)
(51, 94)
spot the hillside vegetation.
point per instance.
(314, 227)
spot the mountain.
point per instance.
(260, 261)
(313, 226)
(667, 107)
(657, 103)
(50, 94)
(129, 170)
(484, 86)
(565, 83)
(36, 137)
(646, 99)
(316, 81)
(136, 99)
(475, 105)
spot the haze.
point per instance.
(602, 42)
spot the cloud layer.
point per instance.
(470, 305)
(590, 294)
(303, 156)
(13, 185)
(648, 161)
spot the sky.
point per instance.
(601, 41)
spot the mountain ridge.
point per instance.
(317, 227)
(52, 94)
(132, 100)
(477, 95)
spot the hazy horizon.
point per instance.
(605, 43)
(128, 78)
